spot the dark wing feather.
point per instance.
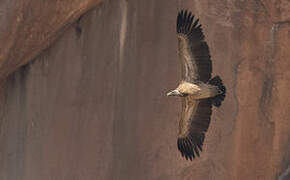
(193, 50)
(195, 120)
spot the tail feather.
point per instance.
(218, 99)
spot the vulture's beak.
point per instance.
(174, 93)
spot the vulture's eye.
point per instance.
(184, 94)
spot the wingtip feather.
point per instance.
(184, 21)
(189, 148)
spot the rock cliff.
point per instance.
(93, 104)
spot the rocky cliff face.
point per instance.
(93, 105)
(27, 27)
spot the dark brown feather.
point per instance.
(193, 127)
(193, 50)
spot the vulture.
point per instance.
(198, 91)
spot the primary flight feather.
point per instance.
(198, 91)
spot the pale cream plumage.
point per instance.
(197, 90)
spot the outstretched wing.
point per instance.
(193, 50)
(195, 119)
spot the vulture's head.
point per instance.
(176, 93)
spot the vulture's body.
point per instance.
(197, 90)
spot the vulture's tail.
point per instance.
(218, 99)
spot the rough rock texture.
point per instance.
(93, 106)
(29, 26)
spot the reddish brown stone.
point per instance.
(94, 105)
(30, 26)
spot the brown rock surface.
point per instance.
(93, 105)
(29, 26)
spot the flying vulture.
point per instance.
(197, 90)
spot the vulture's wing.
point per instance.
(193, 50)
(195, 119)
